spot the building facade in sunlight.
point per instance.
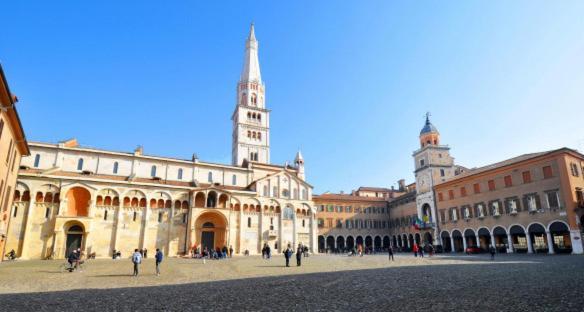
(13, 146)
(533, 203)
(69, 196)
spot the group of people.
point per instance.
(301, 250)
(75, 258)
(419, 251)
(137, 257)
(207, 253)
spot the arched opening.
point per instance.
(399, 241)
(340, 243)
(518, 239)
(500, 237)
(470, 238)
(223, 201)
(561, 240)
(368, 242)
(538, 238)
(458, 241)
(360, 241)
(428, 239)
(446, 243)
(350, 242)
(411, 241)
(377, 243)
(484, 239)
(426, 213)
(200, 200)
(74, 239)
(211, 228)
(321, 242)
(330, 244)
(386, 242)
(417, 239)
(78, 199)
(212, 199)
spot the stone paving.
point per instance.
(322, 283)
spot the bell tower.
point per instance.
(433, 165)
(251, 119)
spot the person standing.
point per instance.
(299, 252)
(230, 251)
(390, 251)
(158, 256)
(416, 248)
(268, 252)
(136, 259)
(287, 254)
(492, 251)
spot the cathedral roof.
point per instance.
(428, 127)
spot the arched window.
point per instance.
(285, 193)
(210, 177)
(248, 115)
(234, 180)
(275, 191)
(253, 115)
(256, 156)
(304, 197)
(180, 173)
(153, 171)
(254, 99)
(248, 222)
(259, 135)
(116, 167)
(259, 116)
(37, 160)
(249, 134)
(266, 191)
(80, 164)
(244, 99)
(253, 134)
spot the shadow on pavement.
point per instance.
(490, 286)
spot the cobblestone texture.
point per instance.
(323, 283)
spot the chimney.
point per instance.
(139, 151)
(402, 184)
(70, 143)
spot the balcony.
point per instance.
(272, 233)
(427, 225)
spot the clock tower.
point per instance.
(433, 165)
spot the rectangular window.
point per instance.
(248, 222)
(442, 216)
(547, 172)
(463, 191)
(526, 176)
(105, 215)
(1, 127)
(440, 197)
(508, 181)
(9, 151)
(47, 212)
(320, 223)
(348, 209)
(553, 199)
(491, 185)
(8, 195)
(574, 169)
(160, 217)
(477, 188)
(330, 208)
(184, 218)
(451, 194)
(134, 217)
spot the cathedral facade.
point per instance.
(68, 196)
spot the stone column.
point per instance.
(464, 243)
(492, 241)
(169, 233)
(27, 225)
(529, 246)
(261, 230)
(550, 242)
(509, 243)
(452, 244)
(117, 226)
(146, 216)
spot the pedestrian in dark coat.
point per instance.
(287, 254)
(158, 258)
(390, 251)
(299, 252)
(492, 251)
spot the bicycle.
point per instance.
(81, 266)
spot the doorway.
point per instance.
(74, 239)
(208, 240)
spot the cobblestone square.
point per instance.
(323, 282)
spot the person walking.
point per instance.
(268, 252)
(416, 249)
(287, 254)
(492, 251)
(158, 258)
(136, 259)
(299, 252)
(230, 251)
(390, 251)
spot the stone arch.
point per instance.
(368, 241)
(386, 241)
(340, 242)
(484, 238)
(211, 236)
(518, 238)
(350, 242)
(446, 243)
(377, 243)
(78, 199)
(212, 199)
(538, 237)
(223, 199)
(330, 243)
(458, 239)
(470, 237)
(501, 242)
(560, 236)
(200, 200)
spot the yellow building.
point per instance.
(13, 146)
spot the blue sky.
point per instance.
(347, 83)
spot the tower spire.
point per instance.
(251, 64)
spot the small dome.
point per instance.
(428, 127)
